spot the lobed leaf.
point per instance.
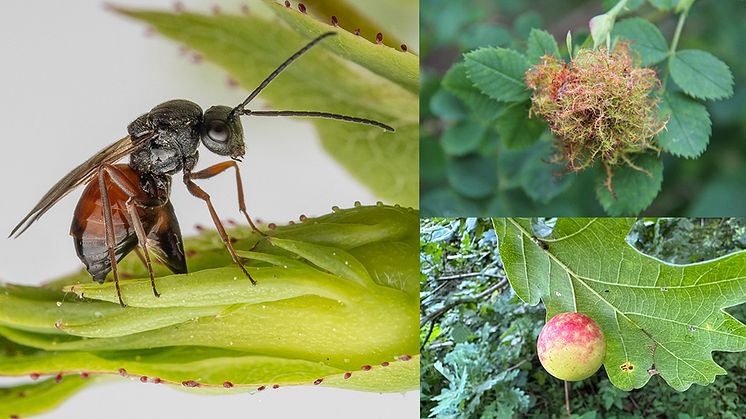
(688, 129)
(498, 73)
(658, 318)
(701, 75)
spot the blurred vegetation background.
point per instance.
(479, 340)
(482, 179)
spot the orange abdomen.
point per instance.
(89, 229)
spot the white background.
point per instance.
(72, 76)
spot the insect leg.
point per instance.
(109, 227)
(142, 239)
(216, 169)
(198, 192)
(132, 191)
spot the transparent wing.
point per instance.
(79, 176)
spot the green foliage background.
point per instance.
(480, 358)
(466, 167)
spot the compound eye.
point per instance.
(218, 132)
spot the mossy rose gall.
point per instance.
(599, 106)
(571, 346)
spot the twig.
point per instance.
(567, 400)
(433, 316)
(429, 333)
(467, 275)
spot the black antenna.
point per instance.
(241, 108)
(319, 115)
(282, 67)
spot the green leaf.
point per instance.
(524, 22)
(484, 35)
(444, 202)
(516, 129)
(701, 75)
(631, 5)
(463, 138)
(645, 39)
(31, 399)
(432, 153)
(473, 176)
(663, 4)
(498, 73)
(635, 189)
(334, 294)
(250, 47)
(445, 105)
(540, 179)
(541, 43)
(457, 82)
(400, 67)
(654, 315)
(688, 129)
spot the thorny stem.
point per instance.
(674, 45)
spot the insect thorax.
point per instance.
(177, 128)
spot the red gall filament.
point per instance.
(379, 38)
(404, 47)
(261, 388)
(302, 7)
(385, 364)
(58, 378)
(190, 383)
(227, 384)
(318, 381)
(366, 368)
(335, 22)
(34, 376)
(122, 372)
(287, 3)
(347, 375)
(275, 386)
